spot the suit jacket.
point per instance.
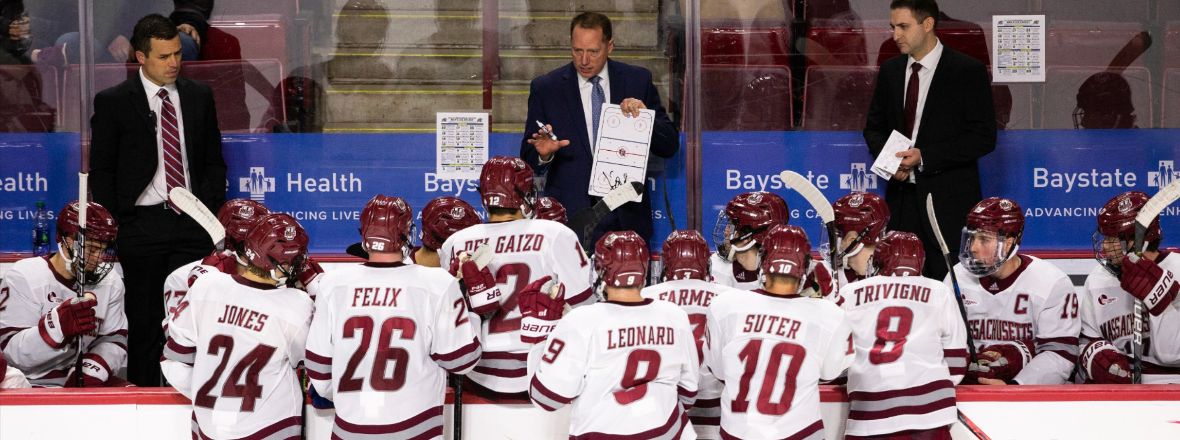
(123, 148)
(958, 127)
(554, 99)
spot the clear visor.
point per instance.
(983, 252)
(722, 229)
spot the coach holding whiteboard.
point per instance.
(942, 99)
(569, 100)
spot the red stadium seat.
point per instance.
(752, 44)
(244, 91)
(746, 98)
(28, 99)
(1170, 117)
(1172, 44)
(843, 43)
(1089, 43)
(966, 37)
(1060, 95)
(252, 37)
(837, 97)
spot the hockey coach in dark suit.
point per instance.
(569, 100)
(942, 99)
(151, 133)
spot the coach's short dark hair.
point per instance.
(152, 26)
(593, 20)
(921, 9)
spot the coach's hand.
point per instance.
(545, 145)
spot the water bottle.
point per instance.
(41, 231)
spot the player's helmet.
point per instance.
(747, 217)
(277, 244)
(899, 254)
(989, 224)
(237, 216)
(549, 208)
(785, 251)
(386, 224)
(443, 217)
(863, 213)
(685, 256)
(621, 258)
(1116, 229)
(101, 230)
(507, 182)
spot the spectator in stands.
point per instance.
(14, 33)
(952, 125)
(110, 34)
(152, 133)
(569, 99)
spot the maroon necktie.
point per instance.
(911, 100)
(173, 165)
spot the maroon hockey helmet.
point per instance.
(549, 208)
(277, 244)
(1117, 218)
(997, 215)
(443, 217)
(386, 224)
(100, 224)
(786, 251)
(621, 259)
(685, 256)
(237, 216)
(507, 182)
(747, 217)
(899, 254)
(992, 219)
(865, 213)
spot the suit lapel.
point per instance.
(573, 101)
(143, 113)
(898, 110)
(937, 83)
(616, 82)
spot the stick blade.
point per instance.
(814, 197)
(1154, 206)
(189, 204)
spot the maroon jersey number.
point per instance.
(386, 353)
(250, 366)
(634, 384)
(888, 334)
(749, 357)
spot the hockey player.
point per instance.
(44, 322)
(235, 340)
(771, 346)
(1110, 292)
(910, 343)
(1022, 312)
(861, 219)
(548, 208)
(685, 282)
(628, 365)
(11, 378)
(441, 218)
(236, 216)
(524, 250)
(415, 316)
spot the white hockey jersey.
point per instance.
(1037, 305)
(629, 370)
(1107, 313)
(382, 340)
(694, 297)
(732, 274)
(525, 250)
(233, 346)
(771, 352)
(911, 351)
(31, 288)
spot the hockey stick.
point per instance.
(1150, 211)
(946, 258)
(823, 208)
(584, 221)
(189, 204)
(83, 191)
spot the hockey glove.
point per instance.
(94, 374)
(71, 318)
(1105, 364)
(1003, 360)
(540, 311)
(224, 261)
(820, 281)
(306, 273)
(1150, 283)
(482, 293)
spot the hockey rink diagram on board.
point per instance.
(621, 150)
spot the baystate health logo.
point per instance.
(858, 179)
(1163, 175)
(257, 184)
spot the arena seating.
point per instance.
(748, 98)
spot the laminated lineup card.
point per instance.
(462, 140)
(620, 152)
(1018, 43)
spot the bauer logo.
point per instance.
(257, 184)
(858, 179)
(1163, 175)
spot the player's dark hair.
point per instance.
(502, 211)
(153, 26)
(922, 9)
(593, 20)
